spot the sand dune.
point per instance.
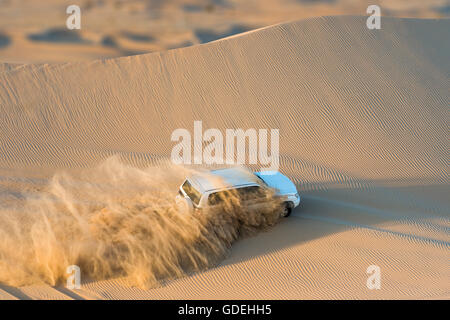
(363, 119)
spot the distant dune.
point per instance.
(34, 31)
(363, 119)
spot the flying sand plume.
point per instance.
(118, 221)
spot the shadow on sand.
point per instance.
(58, 35)
(204, 36)
(4, 40)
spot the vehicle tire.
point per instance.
(287, 210)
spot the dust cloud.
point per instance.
(116, 220)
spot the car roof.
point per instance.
(226, 179)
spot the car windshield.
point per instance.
(261, 180)
(191, 192)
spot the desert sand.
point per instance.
(363, 119)
(35, 31)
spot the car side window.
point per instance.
(251, 193)
(217, 198)
(244, 194)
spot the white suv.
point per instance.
(202, 191)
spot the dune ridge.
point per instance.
(391, 85)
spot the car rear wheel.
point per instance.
(287, 210)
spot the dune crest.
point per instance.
(385, 91)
